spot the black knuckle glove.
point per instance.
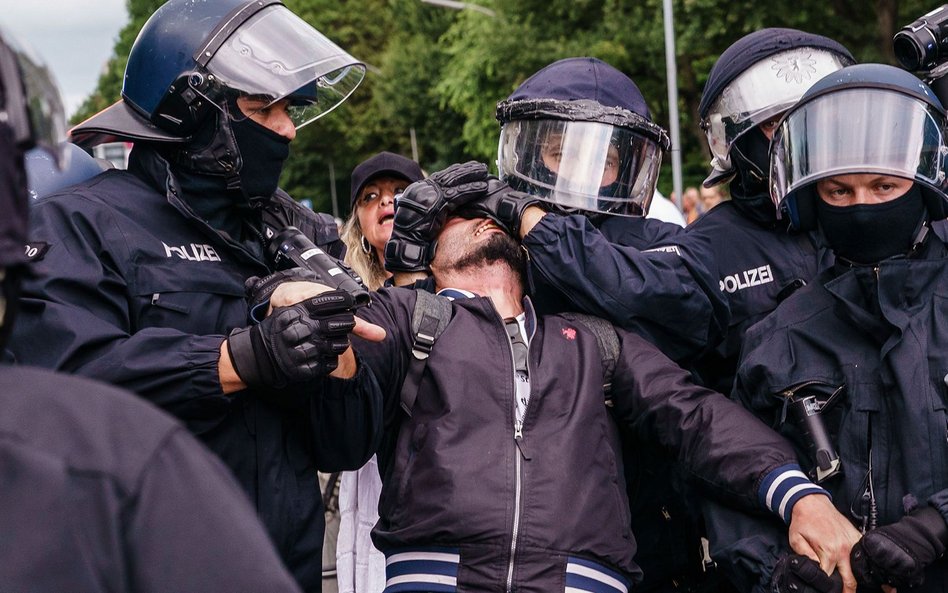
(795, 573)
(421, 210)
(260, 289)
(460, 174)
(898, 554)
(502, 204)
(294, 344)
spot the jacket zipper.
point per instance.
(518, 463)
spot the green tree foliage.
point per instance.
(437, 73)
(109, 88)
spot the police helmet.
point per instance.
(31, 104)
(578, 135)
(193, 55)
(31, 117)
(756, 79)
(869, 118)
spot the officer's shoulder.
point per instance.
(87, 425)
(106, 188)
(723, 214)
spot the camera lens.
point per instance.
(908, 51)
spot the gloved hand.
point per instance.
(421, 210)
(795, 573)
(259, 290)
(897, 554)
(294, 344)
(501, 204)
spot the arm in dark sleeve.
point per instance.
(382, 365)
(639, 274)
(747, 546)
(347, 417)
(727, 450)
(75, 317)
(191, 529)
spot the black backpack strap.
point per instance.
(608, 341)
(428, 320)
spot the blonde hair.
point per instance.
(366, 265)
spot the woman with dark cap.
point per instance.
(375, 183)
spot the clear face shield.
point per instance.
(584, 165)
(762, 92)
(32, 105)
(860, 130)
(277, 55)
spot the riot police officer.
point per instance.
(760, 261)
(100, 491)
(851, 367)
(141, 273)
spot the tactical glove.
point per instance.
(503, 205)
(294, 344)
(259, 290)
(897, 554)
(798, 574)
(420, 212)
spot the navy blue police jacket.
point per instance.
(472, 502)
(636, 272)
(871, 343)
(759, 266)
(101, 492)
(133, 288)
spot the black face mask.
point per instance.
(263, 153)
(750, 156)
(870, 233)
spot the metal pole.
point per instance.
(414, 144)
(671, 71)
(332, 189)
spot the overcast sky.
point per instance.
(74, 37)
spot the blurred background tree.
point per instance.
(435, 74)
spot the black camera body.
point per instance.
(922, 47)
(290, 248)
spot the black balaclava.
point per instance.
(263, 153)
(870, 233)
(750, 156)
(222, 185)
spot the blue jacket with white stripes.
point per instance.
(473, 502)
